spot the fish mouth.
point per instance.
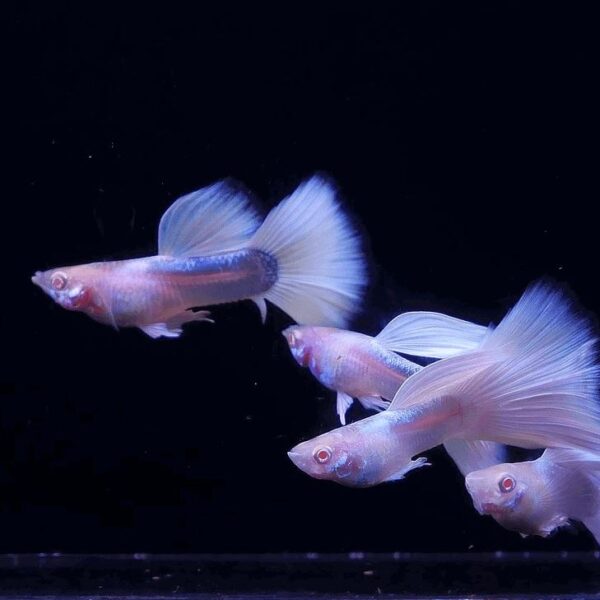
(299, 459)
(37, 278)
(489, 508)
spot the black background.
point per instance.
(462, 139)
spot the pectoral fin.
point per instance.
(413, 464)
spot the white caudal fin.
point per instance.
(431, 334)
(472, 456)
(532, 383)
(321, 270)
(214, 219)
(544, 393)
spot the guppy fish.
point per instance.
(537, 497)
(356, 365)
(532, 383)
(305, 258)
(368, 368)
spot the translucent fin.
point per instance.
(374, 403)
(569, 469)
(344, 402)
(441, 377)
(533, 382)
(544, 391)
(211, 220)
(172, 328)
(473, 456)
(157, 330)
(411, 466)
(431, 334)
(321, 270)
(262, 307)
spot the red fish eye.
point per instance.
(58, 281)
(507, 484)
(322, 455)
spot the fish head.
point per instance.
(501, 491)
(334, 456)
(73, 288)
(301, 340)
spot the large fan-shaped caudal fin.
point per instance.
(321, 271)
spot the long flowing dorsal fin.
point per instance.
(214, 219)
(431, 335)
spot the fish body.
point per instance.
(158, 289)
(537, 497)
(212, 249)
(532, 383)
(378, 448)
(349, 362)
(360, 366)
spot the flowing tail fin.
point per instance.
(473, 456)
(321, 270)
(544, 391)
(532, 383)
(431, 335)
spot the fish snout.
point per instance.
(296, 458)
(37, 278)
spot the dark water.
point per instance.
(463, 142)
(299, 576)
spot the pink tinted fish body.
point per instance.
(537, 497)
(212, 249)
(350, 363)
(532, 383)
(364, 367)
(160, 289)
(356, 365)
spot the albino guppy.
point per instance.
(532, 383)
(305, 258)
(536, 497)
(356, 365)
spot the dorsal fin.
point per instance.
(430, 334)
(214, 219)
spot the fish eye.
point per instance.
(58, 281)
(506, 484)
(322, 455)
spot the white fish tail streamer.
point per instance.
(321, 269)
(472, 456)
(544, 390)
(533, 382)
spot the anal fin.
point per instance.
(374, 403)
(343, 404)
(172, 327)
